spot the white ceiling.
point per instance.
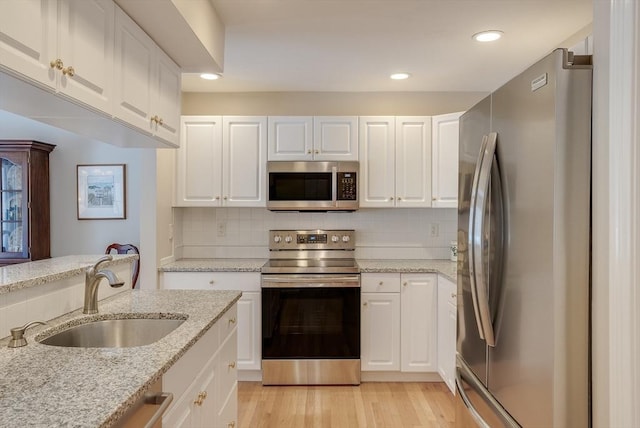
(353, 45)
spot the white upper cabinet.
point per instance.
(244, 161)
(222, 161)
(28, 44)
(445, 160)
(307, 138)
(395, 161)
(64, 45)
(147, 82)
(290, 138)
(198, 172)
(377, 161)
(335, 138)
(413, 161)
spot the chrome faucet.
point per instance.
(92, 280)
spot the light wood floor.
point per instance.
(370, 405)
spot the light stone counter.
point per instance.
(214, 265)
(444, 267)
(48, 386)
(31, 274)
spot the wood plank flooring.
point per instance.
(370, 405)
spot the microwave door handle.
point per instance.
(334, 185)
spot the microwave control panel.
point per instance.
(347, 186)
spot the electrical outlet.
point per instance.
(222, 229)
(434, 230)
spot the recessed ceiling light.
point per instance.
(487, 36)
(400, 76)
(210, 76)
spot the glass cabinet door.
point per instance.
(13, 205)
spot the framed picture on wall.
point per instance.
(101, 192)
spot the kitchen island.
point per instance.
(48, 386)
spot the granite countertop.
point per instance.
(214, 265)
(49, 386)
(31, 274)
(444, 267)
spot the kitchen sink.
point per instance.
(114, 333)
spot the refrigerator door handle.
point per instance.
(482, 200)
(473, 212)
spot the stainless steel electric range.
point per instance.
(311, 309)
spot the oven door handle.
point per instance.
(311, 282)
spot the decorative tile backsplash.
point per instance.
(380, 233)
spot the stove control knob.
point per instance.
(277, 238)
(288, 239)
(346, 238)
(335, 238)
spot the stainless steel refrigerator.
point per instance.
(524, 250)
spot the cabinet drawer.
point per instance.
(227, 323)
(243, 281)
(380, 283)
(227, 371)
(228, 415)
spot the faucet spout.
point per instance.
(92, 280)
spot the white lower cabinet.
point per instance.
(447, 319)
(408, 326)
(204, 380)
(418, 304)
(380, 325)
(399, 322)
(249, 320)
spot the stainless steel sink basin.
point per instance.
(114, 333)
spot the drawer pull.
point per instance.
(212, 282)
(365, 303)
(231, 424)
(201, 397)
(232, 320)
(380, 283)
(405, 283)
(232, 365)
(453, 295)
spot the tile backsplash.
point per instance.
(380, 233)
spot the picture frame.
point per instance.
(101, 191)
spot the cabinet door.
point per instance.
(14, 188)
(198, 172)
(335, 138)
(377, 161)
(290, 138)
(380, 332)
(249, 331)
(413, 161)
(445, 137)
(135, 73)
(167, 98)
(28, 39)
(447, 331)
(244, 156)
(85, 46)
(419, 323)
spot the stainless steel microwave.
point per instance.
(312, 186)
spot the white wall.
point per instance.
(68, 234)
(380, 233)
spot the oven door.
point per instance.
(311, 329)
